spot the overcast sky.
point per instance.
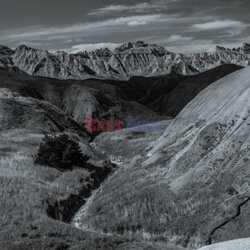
(72, 25)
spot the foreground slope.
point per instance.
(32, 195)
(28, 190)
(241, 244)
(193, 187)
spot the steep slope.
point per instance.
(19, 112)
(169, 95)
(193, 187)
(206, 151)
(126, 61)
(42, 63)
(241, 244)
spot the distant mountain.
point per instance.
(127, 60)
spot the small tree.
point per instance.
(60, 152)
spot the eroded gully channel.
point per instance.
(74, 208)
(79, 218)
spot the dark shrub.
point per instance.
(60, 152)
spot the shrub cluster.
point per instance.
(59, 151)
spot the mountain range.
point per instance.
(126, 61)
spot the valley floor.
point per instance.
(28, 189)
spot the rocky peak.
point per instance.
(5, 51)
(23, 49)
(220, 48)
(103, 52)
(131, 45)
(124, 47)
(24, 46)
(246, 48)
(139, 47)
(140, 44)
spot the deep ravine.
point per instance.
(64, 210)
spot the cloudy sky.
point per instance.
(73, 25)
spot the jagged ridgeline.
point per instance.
(127, 60)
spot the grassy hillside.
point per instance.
(26, 192)
(36, 201)
(191, 186)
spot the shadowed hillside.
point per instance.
(170, 95)
(139, 98)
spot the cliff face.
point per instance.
(130, 59)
